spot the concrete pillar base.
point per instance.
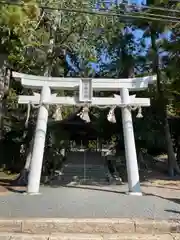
(135, 193)
(32, 194)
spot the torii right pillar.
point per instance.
(130, 147)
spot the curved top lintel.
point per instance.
(98, 84)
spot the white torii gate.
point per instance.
(86, 87)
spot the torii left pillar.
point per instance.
(39, 143)
(130, 147)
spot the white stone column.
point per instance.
(39, 143)
(130, 148)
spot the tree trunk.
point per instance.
(172, 161)
(178, 150)
(29, 155)
(22, 179)
(4, 84)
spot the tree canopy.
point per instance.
(88, 38)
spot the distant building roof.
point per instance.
(77, 126)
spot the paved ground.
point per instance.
(69, 202)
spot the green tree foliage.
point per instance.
(69, 43)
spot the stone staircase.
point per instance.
(81, 174)
(84, 168)
(88, 229)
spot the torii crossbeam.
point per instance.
(125, 101)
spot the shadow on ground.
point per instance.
(94, 189)
(172, 211)
(175, 200)
(9, 185)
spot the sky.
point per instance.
(138, 33)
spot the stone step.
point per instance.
(89, 226)
(81, 173)
(96, 174)
(80, 236)
(90, 174)
(81, 169)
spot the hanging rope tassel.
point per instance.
(58, 114)
(111, 115)
(29, 110)
(139, 115)
(28, 115)
(84, 114)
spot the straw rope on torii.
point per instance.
(84, 113)
(125, 101)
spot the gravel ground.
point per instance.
(69, 202)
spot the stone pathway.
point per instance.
(74, 236)
(93, 202)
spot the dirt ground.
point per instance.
(6, 185)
